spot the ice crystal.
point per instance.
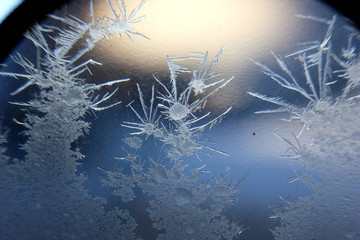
(330, 212)
(182, 135)
(199, 82)
(43, 196)
(131, 157)
(122, 183)
(123, 23)
(332, 209)
(183, 126)
(149, 124)
(315, 57)
(180, 201)
(225, 189)
(177, 106)
(133, 142)
(178, 208)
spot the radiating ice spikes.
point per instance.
(316, 61)
(110, 83)
(183, 139)
(95, 105)
(37, 38)
(284, 106)
(149, 124)
(130, 157)
(31, 73)
(178, 108)
(67, 38)
(123, 24)
(291, 84)
(181, 112)
(201, 76)
(213, 149)
(294, 151)
(308, 59)
(224, 188)
(305, 178)
(210, 123)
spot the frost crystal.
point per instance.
(181, 206)
(123, 23)
(181, 111)
(133, 142)
(316, 55)
(43, 196)
(177, 106)
(201, 76)
(149, 124)
(331, 118)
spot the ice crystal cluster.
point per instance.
(331, 119)
(43, 196)
(182, 204)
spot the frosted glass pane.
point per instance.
(179, 119)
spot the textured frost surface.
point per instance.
(103, 148)
(331, 119)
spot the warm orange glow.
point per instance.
(247, 28)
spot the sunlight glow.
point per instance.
(247, 28)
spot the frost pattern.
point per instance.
(43, 197)
(149, 123)
(180, 110)
(182, 205)
(177, 208)
(331, 118)
(179, 204)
